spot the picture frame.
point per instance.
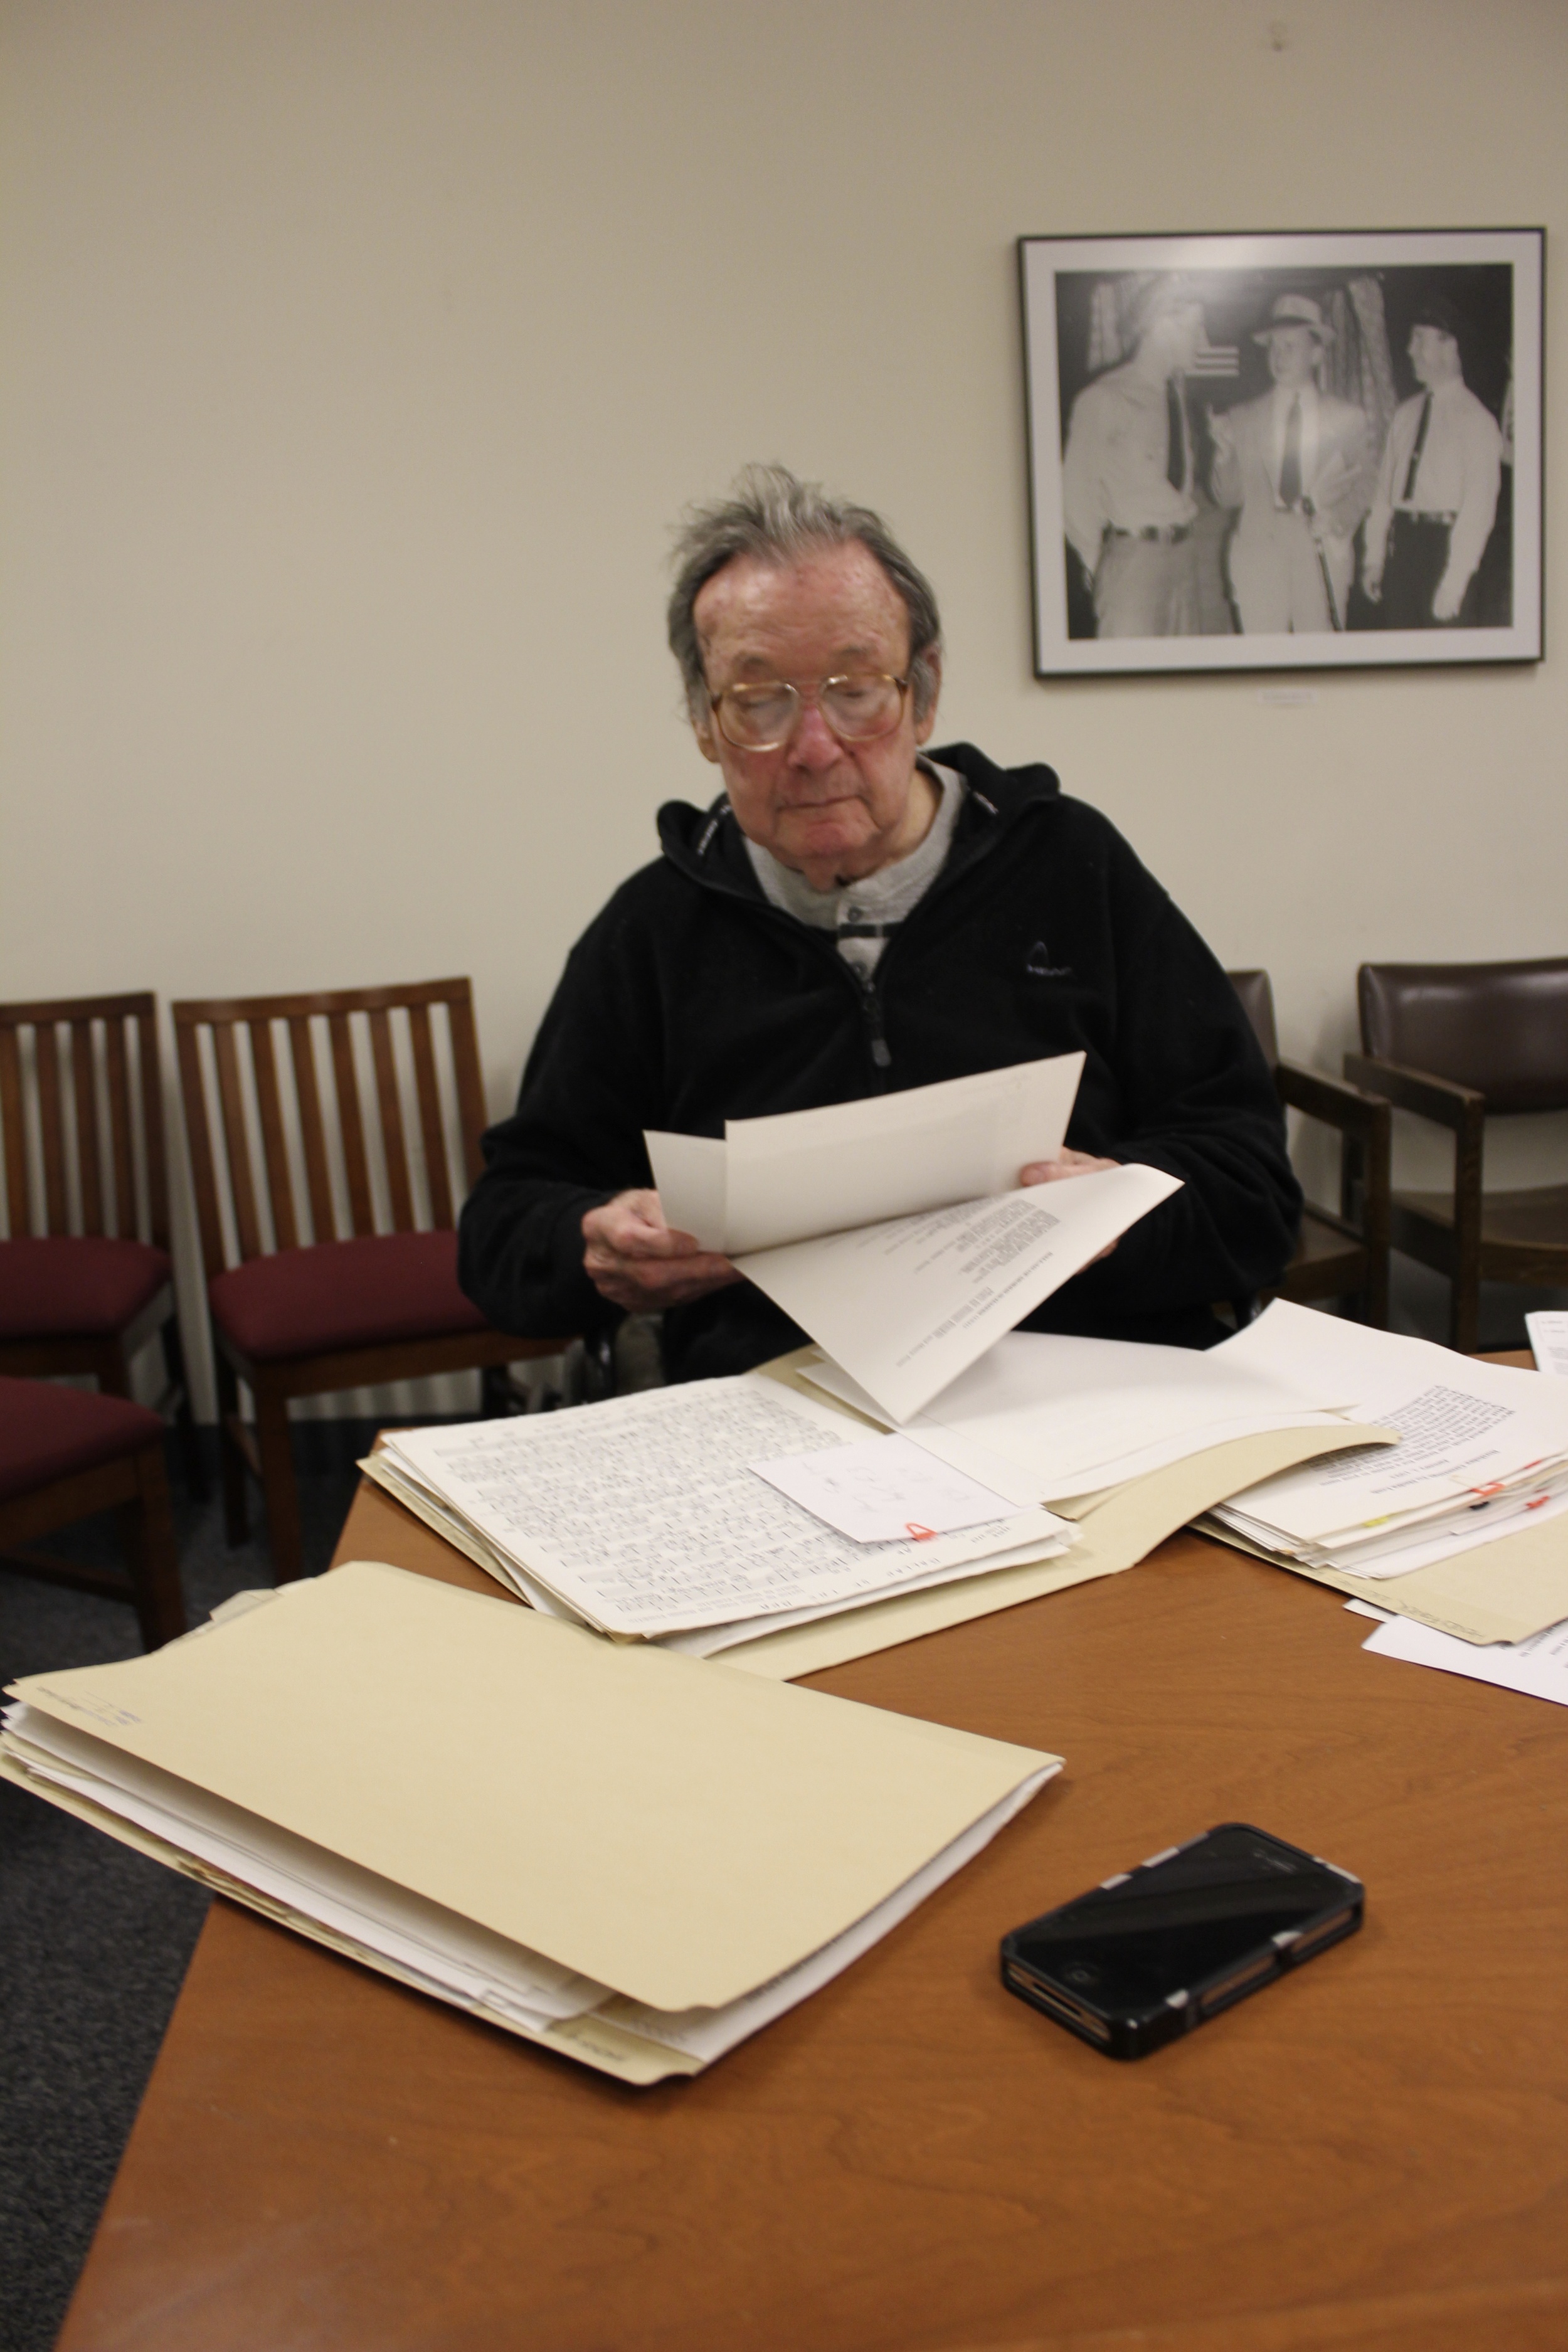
(1249, 452)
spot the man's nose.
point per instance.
(814, 743)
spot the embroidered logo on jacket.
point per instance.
(1038, 965)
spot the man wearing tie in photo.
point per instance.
(1299, 464)
(1437, 494)
(1127, 475)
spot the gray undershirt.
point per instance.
(864, 912)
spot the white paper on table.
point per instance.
(906, 1307)
(1537, 1667)
(1042, 1416)
(1549, 1342)
(643, 1513)
(797, 1175)
(882, 1489)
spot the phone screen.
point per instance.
(1188, 1920)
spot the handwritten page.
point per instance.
(883, 1489)
(905, 1306)
(643, 1516)
(801, 1173)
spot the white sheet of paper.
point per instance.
(1537, 1667)
(1549, 1342)
(689, 1175)
(801, 1173)
(1067, 1415)
(905, 1308)
(643, 1514)
(883, 1489)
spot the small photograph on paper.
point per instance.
(884, 1490)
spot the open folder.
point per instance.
(633, 1858)
(894, 1229)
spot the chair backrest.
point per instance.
(81, 1112)
(296, 1145)
(1258, 1003)
(1501, 1028)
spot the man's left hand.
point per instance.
(1069, 1164)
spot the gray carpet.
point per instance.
(95, 1939)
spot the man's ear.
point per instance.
(924, 727)
(702, 728)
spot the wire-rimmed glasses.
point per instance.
(759, 714)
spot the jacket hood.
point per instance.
(705, 843)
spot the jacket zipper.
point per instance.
(864, 985)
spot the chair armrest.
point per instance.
(1350, 1108)
(1458, 1107)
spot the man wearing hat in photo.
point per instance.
(1299, 463)
(1127, 472)
(1436, 500)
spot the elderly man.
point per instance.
(1299, 463)
(1437, 494)
(1127, 475)
(850, 916)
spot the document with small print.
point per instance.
(644, 1516)
(905, 1308)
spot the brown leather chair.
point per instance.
(302, 1160)
(86, 1278)
(1343, 1257)
(1452, 1042)
(65, 1454)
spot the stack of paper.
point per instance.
(754, 1516)
(700, 1516)
(631, 1858)
(1464, 1523)
(893, 1230)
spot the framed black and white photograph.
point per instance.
(1309, 450)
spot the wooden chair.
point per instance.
(1452, 1042)
(65, 1454)
(327, 1215)
(85, 1277)
(1343, 1257)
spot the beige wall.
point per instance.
(356, 354)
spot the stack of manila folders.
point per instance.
(631, 1858)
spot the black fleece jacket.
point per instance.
(692, 1000)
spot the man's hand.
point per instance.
(1372, 583)
(1069, 1164)
(634, 1259)
(1446, 598)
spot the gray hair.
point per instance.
(771, 515)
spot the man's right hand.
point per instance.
(1372, 583)
(635, 1260)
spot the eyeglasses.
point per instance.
(760, 716)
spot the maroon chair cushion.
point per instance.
(49, 1433)
(58, 1286)
(335, 1295)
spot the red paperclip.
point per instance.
(920, 1535)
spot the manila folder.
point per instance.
(666, 1825)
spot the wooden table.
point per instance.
(1371, 2154)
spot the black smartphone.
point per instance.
(1158, 1950)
